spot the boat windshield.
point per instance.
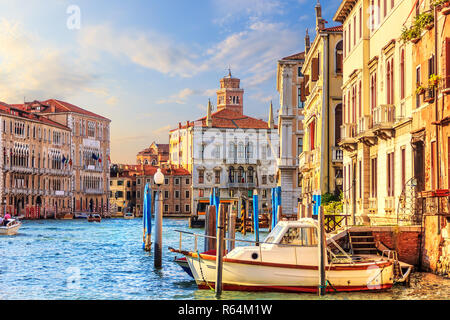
(274, 234)
(304, 236)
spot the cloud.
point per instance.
(34, 69)
(163, 130)
(255, 51)
(146, 49)
(230, 11)
(179, 98)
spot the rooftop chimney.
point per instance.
(320, 22)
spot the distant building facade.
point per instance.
(155, 155)
(321, 159)
(35, 173)
(290, 85)
(89, 151)
(227, 150)
(128, 186)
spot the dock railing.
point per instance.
(332, 257)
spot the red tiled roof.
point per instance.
(230, 119)
(334, 29)
(60, 106)
(20, 112)
(149, 170)
(297, 56)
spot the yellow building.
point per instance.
(290, 128)
(321, 159)
(376, 130)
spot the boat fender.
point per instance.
(254, 255)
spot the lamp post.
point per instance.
(159, 180)
(256, 215)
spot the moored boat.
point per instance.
(288, 261)
(94, 218)
(11, 228)
(81, 215)
(128, 215)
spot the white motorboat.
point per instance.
(11, 228)
(288, 261)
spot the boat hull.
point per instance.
(10, 231)
(254, 276)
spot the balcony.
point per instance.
(307, 159)
(337, 154)
(244, 185)
(93, 191)
(348, 137)
(364, 131)
(383, 121)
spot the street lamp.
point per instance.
(159, 180)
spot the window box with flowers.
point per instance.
(420, 90)
(442, 6)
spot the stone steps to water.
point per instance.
(362, 242)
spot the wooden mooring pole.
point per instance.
(231, 228)
(210, 228)
(321, 246)
(158, 231)
(220, 249)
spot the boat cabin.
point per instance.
(290, 242)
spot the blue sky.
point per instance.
(148, 65)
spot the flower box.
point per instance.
(415, 40)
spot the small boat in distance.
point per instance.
(94, 218)
(128, 215)
(11, 228)
(68, 216)
(81, 215)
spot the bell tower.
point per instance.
(230, 96)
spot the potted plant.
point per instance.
(420, 90)
(440, 4)
(433, 81)
(424, 20)
(410, 34)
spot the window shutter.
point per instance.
(315, 69)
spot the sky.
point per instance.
(148, 65)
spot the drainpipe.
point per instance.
(325, 143)
(436, 65)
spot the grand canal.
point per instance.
(97, 261)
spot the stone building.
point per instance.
(377, 110)
(35, 173)
(155, 155)
(227, 150)
(290, 128)
(128, 185)
(176, 191)
(122, 193)
(321, 159)
(430, 132)
(89, 154)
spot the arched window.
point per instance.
(231, 174)
(241, 150)
(338, 57)
(250, 175)
(241, 176)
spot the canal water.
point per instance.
(74, 259)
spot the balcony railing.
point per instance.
(364, 124)
(384, 115)
(246, 185)
(348, 130)
(337, 154)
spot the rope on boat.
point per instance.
(201, 271)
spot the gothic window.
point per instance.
(241, 150)
(250, 175)
(231, 174)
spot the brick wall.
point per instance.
(405, 242)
